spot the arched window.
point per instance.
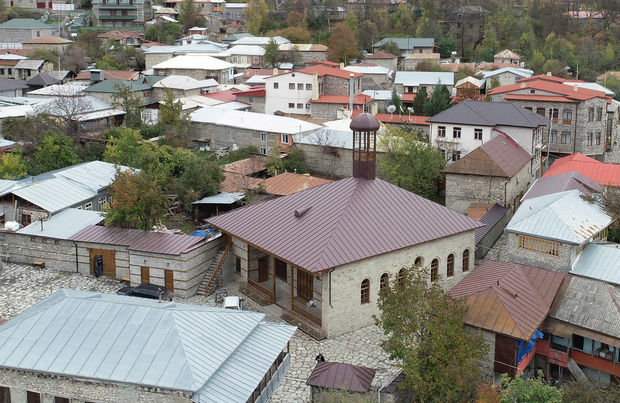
(384, 280)
(450, 265)
(419, 261)
(465, 260)
(434, 269)
(365, 291)
(401, 276)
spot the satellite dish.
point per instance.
(391, 108)
(410, 109)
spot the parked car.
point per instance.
(150, 291)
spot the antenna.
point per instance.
(391, 109)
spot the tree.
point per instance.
(272, 55)
(164, 33)
(295, 161)
(425, 332)
(274, 164)
(421, 97)
(49, 55)
(534, 390)
(367, 34)
(409, 162)
(12, 166)
(55, 152)
(446, 46)
(66, 109)
(123, 146)
(342, 45)
(590, 392)
(190, 16)
(295, 34)
(397, 101)
(74, 58)
(392, 47)
(428, 65)
(138, 200)
(201, 177)
(125, 99)
(350, 20)
(439, 102)
(257, 17)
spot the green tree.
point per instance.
(49, 55)
(367, 34)
(125, 99)
(409, 162)
(397, 101)
(123, 146)
(590, 392)
(295, 161)
(274, 164)
(167, 32)
(421, 97)
(428, 65)
(425, 332)
(272, 55)
(494, 83)
(190, 16)
(350, 20)
(56, 151)
(439, 102)
(392, 47)
(257, 17)
(534, 390)
(12, 166)
(201, 177)
(446, 46)
(342, 45)
(107, 62)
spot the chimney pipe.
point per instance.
(275, 71)
(341, 66)
(315, 86)
(351, 87)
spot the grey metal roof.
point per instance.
(25, 23)
(29, 64)
(43, 79)
(55, 194)
(514, 70)
(407, 43)
(491, 114)
(7, 84)
(600, 261)
(563, 216)
(222, 354)
(221, 198)
(63, 224)
(561, 182)
(489, 220)
(417, 78)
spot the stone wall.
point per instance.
(343, 312)
(224, 136)
(23, 35)
(486, 243)
(487, 363)
(160, 94)
(257, 104)
(57, 254)
(340, 86)
(151, 59)
(563, 262)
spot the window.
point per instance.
(285, 138)
(589, 138)
(554, 136)
(419, 261)
(477, 134)
(26, 219)
(300, 106)
(88, 206)
(291, 86)
(599, 114)
(567, 116)
(276, 86)
(281, 270)
(308, 87)
(598, 138)
(383, 281)
(10, 71)
(528, 108)
(33, 397)
(263, 150)
(434, 270)
(578, 342)
(540, 111)
(532, 91)
(308, 106)
(565, 137)
(291, 105)
(237, 264)
(538, 245)
(553, 114)
(101, 202)
(441, 131)
(263, 137)
(300, 86)
(250, 99)
(456, 132)
(590, 114)
(450, 265)
(401, 277)
(365, 291)
(456, 155)
(465, 260)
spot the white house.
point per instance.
(200, 67)
(505, 76)
(409, 82)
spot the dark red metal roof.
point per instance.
(338, 375)
(348, 220)
(143, 241)
(508, 298)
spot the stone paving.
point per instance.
(22, 286)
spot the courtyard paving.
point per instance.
(22, 286)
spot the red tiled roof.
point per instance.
(402, 119)
(549, 84)
(258, 91)
(144, 241)
(342, 222)
(500, 156)
(359, 99)
(224, 96)
(111, 75)
(604, 174)
(148, 44)
(540, 98)
(508, 298)
(382, 54)
(322, 70)
(289, 183)
(338, 375)
(544, 77)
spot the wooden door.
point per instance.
(304, 284)
(109, 261)
(169, 280)
(145, 275)
(505, 355)
(263, 269)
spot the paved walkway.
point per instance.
(22, 286)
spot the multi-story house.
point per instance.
(409, 82)
(246, 57)
(122, 13)
(408, 46)
(578, 115)
(19, 30)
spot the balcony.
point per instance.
(117, 17)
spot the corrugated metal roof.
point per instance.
(194, 61)
(514, 70)
(508, 298)
(500, 156)
(112, 338)
(489, 220)
(288, 182)
(476, 113)
(600, 261)
(605, 174)
(417, 78)
(7, 84)
(221, 198)
(338, 375)
(259, 40)
(111, 85)
(29, 64)
(561, 182)
(55, 194)
(563, 216)
(342, 222)
(64, 224)
(24, 23)
(407, 43)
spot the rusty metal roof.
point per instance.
(288, 183)
(561, 182)
(508, 298)
(143, 241)
(500, 156)
(365, 122)
(338, 375)
(342, 222)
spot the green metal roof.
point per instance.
(25, 23)
(142, 84)
(117, 7)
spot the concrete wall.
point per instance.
(57, 254)
(344, 313)
(506, 78)
(278, 99)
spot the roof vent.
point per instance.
(300, 212)
(549, 74)
(576, 87)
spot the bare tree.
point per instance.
(66, 106)
(74, 58)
